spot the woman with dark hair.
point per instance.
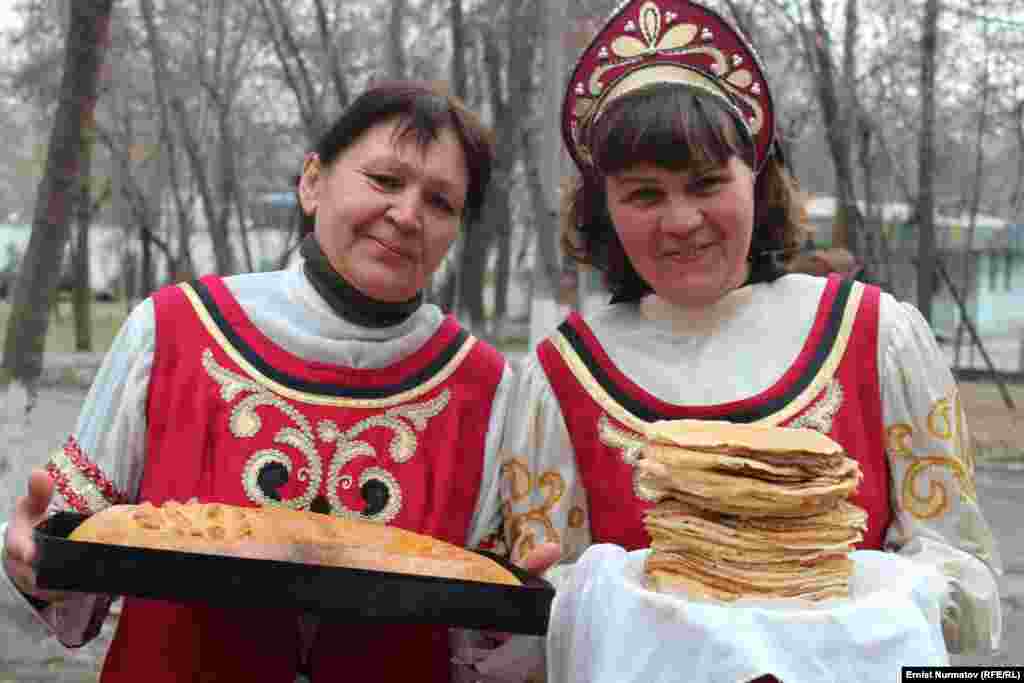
(685, 205)
(329, 387)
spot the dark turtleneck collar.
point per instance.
(347, 301)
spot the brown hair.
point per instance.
(674, 127)
(423, 110)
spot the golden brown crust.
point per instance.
(288, 535)
(737, 438)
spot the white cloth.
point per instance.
(606, 627)
(738, 348)
(285, 307)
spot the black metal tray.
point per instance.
(337, 594)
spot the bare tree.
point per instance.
(183, 261)
(296, 67)
(329, 42)
(508, 64)
(926, 165)
(87, 41)
(849, 224)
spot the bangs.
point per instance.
(423, 121)
(667, 125)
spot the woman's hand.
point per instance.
(538, 561)
(19, 547)
(485, 656)
(541, 558)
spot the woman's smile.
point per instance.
(395, 250)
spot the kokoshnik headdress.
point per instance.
(668, 41)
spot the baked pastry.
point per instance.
(287, 535)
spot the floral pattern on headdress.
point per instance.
(652, 41)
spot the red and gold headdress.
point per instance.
(667, 41)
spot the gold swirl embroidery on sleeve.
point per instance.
(964, 444)
(898, 438)
(936, 502)
(522, 526)
(945, 424)
(939, 424)
(577, 518)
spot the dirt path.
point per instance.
(997, 431)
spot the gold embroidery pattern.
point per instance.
(522, 526)
(814, 389)
(577, 518)
(944, 423)
(821, 413)
(269, 385)
(899, 438)
(402, 447)
(939, 424)
(936, 502)
(244, 422)
(630, 445)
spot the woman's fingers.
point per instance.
(541, 558)
(19, 546)
(40, 492)
(537, 561)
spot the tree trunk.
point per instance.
(81, 293)
(216, 224)
(329, 42)
(458, 49)
(504, 269)
(510, 102)
(544, 310)
(143, 215)
(547, 264)
(926, 165)
(967, 282)
(298, 77)
(848, 223)
(446, 293)
(876, 241)
(473, 260)
(183, 260)
(87, 41)
(1017, 198)
(396, 32)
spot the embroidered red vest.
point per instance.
(832, 387)
(236, 419)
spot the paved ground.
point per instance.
(21, 659)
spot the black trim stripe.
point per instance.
(323, 389)
(644, 412)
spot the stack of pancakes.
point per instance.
(749, 511)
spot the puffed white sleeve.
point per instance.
(937, 518)
(538, 498)
(100, 464)
(485, 531)
(542, 495)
